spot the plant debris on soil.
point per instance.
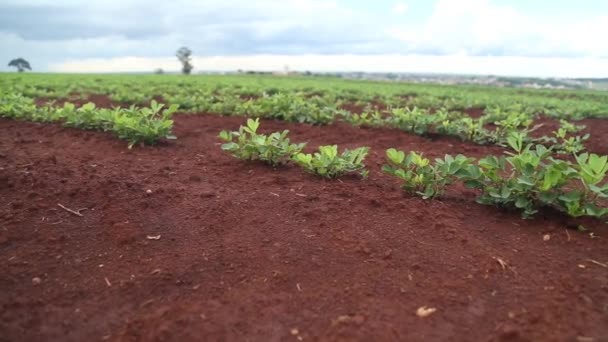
(182, 242)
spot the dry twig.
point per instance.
(74, 212)
(597, 263)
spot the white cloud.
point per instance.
(481, 27)
(400, 8)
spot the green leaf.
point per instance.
(593, 210)
(571, 197)
(522, 203)
(515, 141)
(505, 192)
(329, 151)
(429, 192)
(225, 135)
(230, 146)
(253, 125)
(395, 156)
(303, 158)
(525, 181)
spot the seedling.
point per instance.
(145, 125)
(328, 163)
(246, 144)
(422, 177)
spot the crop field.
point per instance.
(269, 208)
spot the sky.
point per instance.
(561, 38)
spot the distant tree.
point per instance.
(183, 54)
(159, 71)
(20, 63)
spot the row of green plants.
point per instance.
(136, 125)
(419, 109)
(492, 128)
(526, 179)
(323, 110)
(276, 149)
(202, 92)
(152, 126)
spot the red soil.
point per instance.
(353, 108)
(248, 253)
(475, 113)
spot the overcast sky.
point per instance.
(509, 37)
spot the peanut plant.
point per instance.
(328, 163)
(136, 125)
(246, 144)
(421, 177)
(144, 125)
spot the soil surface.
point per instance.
(182, 242)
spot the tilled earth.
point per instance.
(182, 242)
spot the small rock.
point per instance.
(36, 281)
(148, 191)
(423, 311)
(546, 237)
(347, 319)
(294, 331)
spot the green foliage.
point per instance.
(527, 179)
(136, 125)
(421, 109)
(570, 127)
(328, 163)
(247, 144)
(16, 106)
(145, 125)
(564, 141)
(414, 120)
(569, 144)
(473, 130)
(290, 107)
(535, 178)
(87, 117)
(370, 119)
(422, 177)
